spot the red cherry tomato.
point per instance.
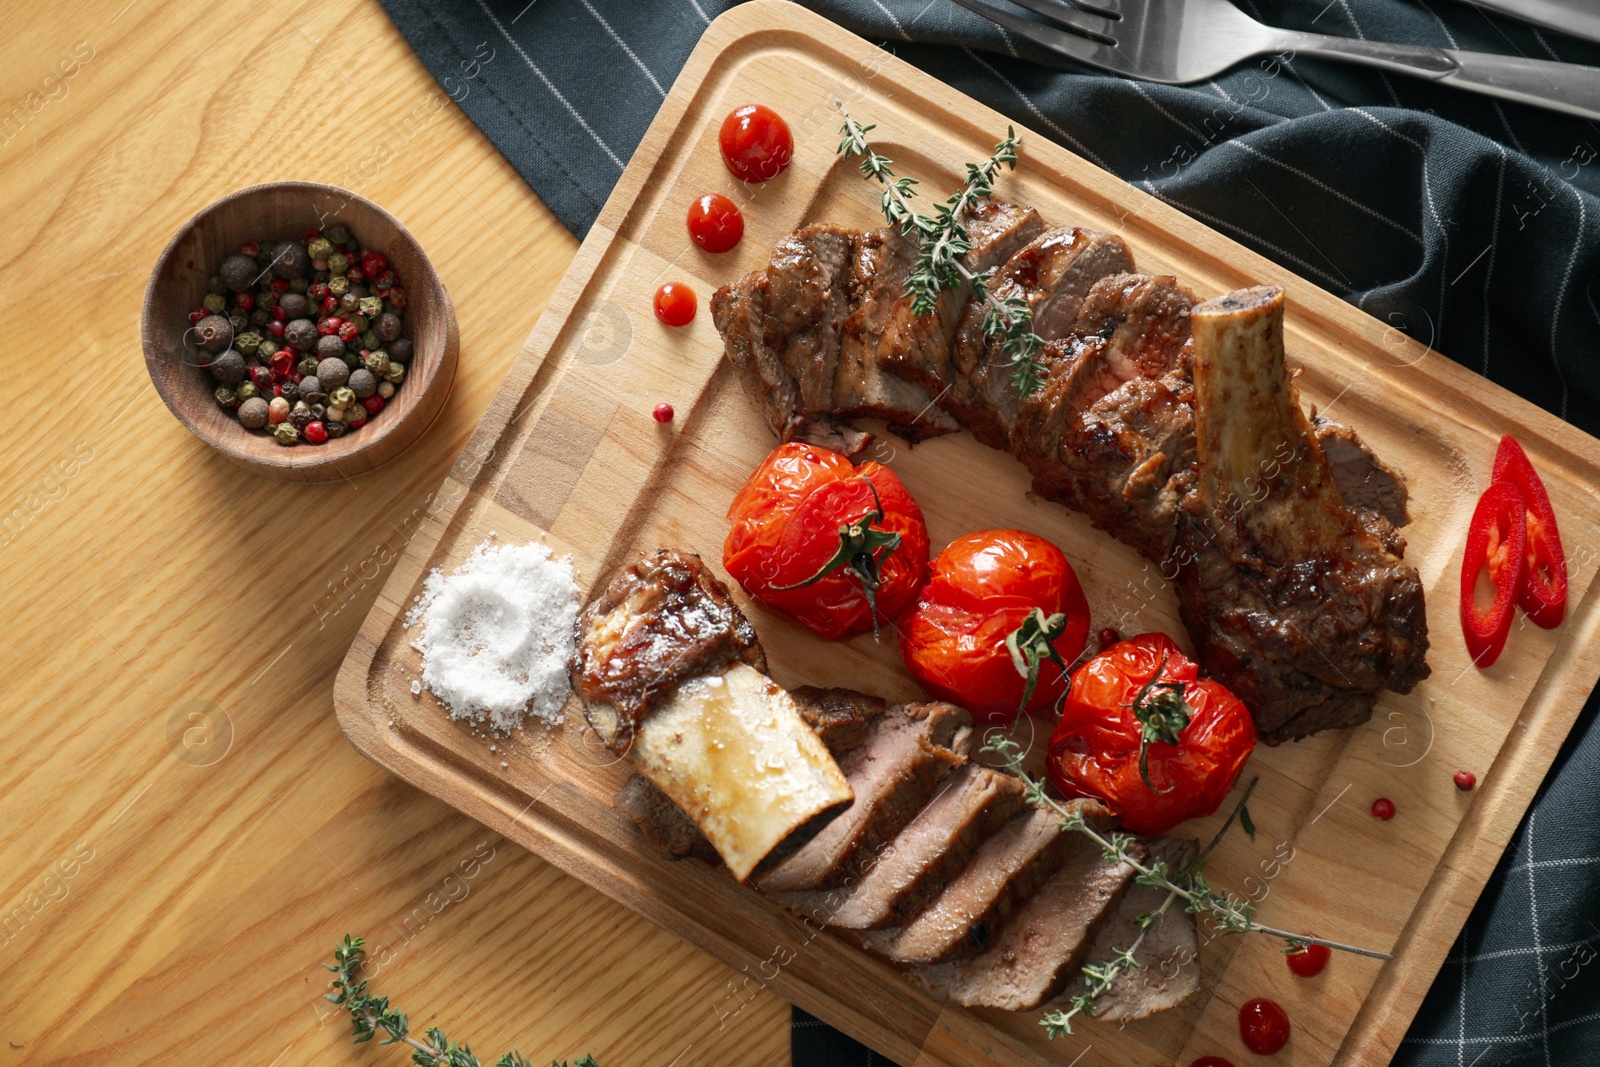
(1211, 1061)
(1309, 960)
(1263, 1027)
(715, 223)
(826, 541)
(983, 589)
(675, 304)
(756, 143)
(1099, 749)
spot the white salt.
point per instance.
(496, 634)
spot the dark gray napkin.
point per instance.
(1467, 223)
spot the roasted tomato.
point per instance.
(998, 624)
(1145, 733)
(837, 546)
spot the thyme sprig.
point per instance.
(942, 240)
(371, 1015)
(1184, 882)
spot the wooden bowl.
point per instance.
(281, 211)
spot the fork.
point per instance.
(1181, 41)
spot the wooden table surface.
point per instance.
(184, 832)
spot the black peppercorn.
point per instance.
(335, 428)
(388, 326)
(289, 391)
(238, 272)
(300, 415)
(228, 368)
(301, 334)
(213, 333)
(289, 260)
(399, 350)
(294, 305)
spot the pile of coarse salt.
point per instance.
(496, 634)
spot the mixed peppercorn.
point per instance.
(304, 338)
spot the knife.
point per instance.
(1577, 18)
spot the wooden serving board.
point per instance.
(568, 454)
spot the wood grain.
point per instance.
(567, 453)
(143, 571)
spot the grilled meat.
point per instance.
(1296, 602)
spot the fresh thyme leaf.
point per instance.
(371, 1015)
(942, 239)
(1246, 822)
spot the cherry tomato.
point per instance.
(839, 547)
(756, 143)
(987, 593)
(675, 304)
(1263, 1027)
(1143, 732)
(1211, 1061)
(1309, 960)
(715, 223)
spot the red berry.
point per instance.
(1465, 780)
(348, 331)
(1263, 1027)
(1211, 1061)
(373, 263)
(329, 325)
(275, 327)
(355, 274)
(282, 361)
(197, 314)
(279, 314)
(1309, 960)
(277, 390)
(250, 248)
(386, 280)
(1109, 637)
(373, 403)
(244, 301)
(280, 286)
(318, 291)
(330, 304)
(262, 376)
(662, 413)
(397, 296)
(675, 304)
(311, 235)
(315, 432)
(1383, 808)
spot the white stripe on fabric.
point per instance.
(698, 10)
(1555, 317)
(1169, 116)
(624, 46)
(1494, 241)
(1427, 199)
(1042, 117)
(901, 30)
(1345, 7)
(548, 84)
(1320, 184)
(1538, 950)
(1006, 37)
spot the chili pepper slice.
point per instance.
(1544, 585)
(1497, 540)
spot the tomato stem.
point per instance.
(860, 543)
(1031, 644)
(1163, 716)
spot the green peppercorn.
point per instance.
(319, 248)
(225, 397)
(307, 366)
(238, 320)
(300, 284)
(214, 303)
(337, 234)
(267, 348)
(371, 306)
(338, 285)
(342, 397)
(253, 413)
(247, 343)
(245, 390)
(260, 316)
(377, 362)
(369, 340)
(214, 286)
(338, 263)
(286, 433)
(395, 373)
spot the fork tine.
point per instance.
(1082, 49)
(1072, 17)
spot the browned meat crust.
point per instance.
(680, 624)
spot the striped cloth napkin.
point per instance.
(1470, 224)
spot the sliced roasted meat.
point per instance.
(1168, 971)
(1364, 480)
(663, 824)
(1041, 948)
(893, 772)
(964, 919)
(973, 803)
(1293, 601)
(839, 716)
(1054, 276)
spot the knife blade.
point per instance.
(1577, 18)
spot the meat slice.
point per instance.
(1053, 275)
(972, 909)
(661, 822)
(973, 803)
(839, 716)
(1364, 480)
(1293, 601)
(893, 772)
(1039, 951)
(1168, 956)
